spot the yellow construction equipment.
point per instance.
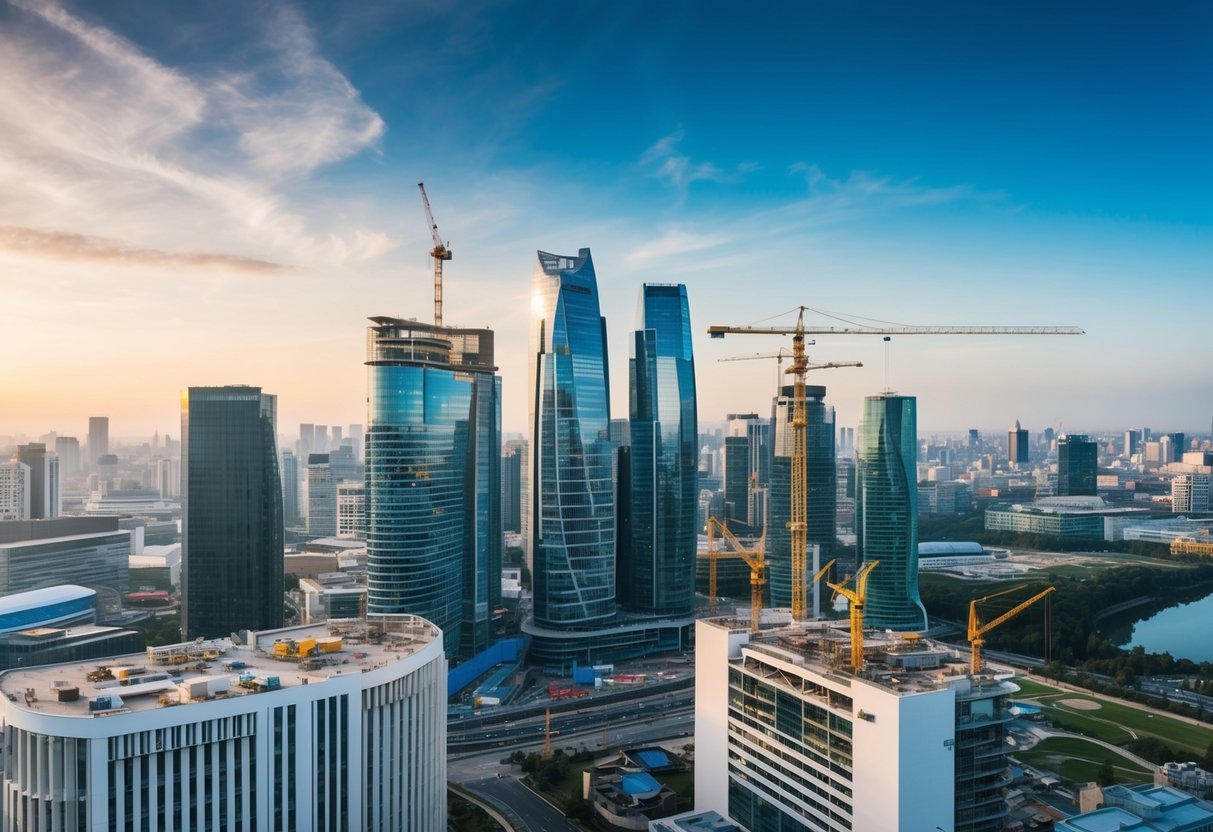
(977, 630)
(800, 365)
(856, 596)
(440, 252)
(754, 558)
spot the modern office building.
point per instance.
(305, 447)
(886, 511)
(513, 460)
(433, 478)
(231, 520)
(1017, 445)
(321, 491)
(14, 491)
(45, 490)
(357, 442)
(1189, 492)
(166, 477)
(1077, 466)
(573, 501)
(67, 448)
(788, 739)
(290, 489)
(1130, 446)
(56, 624)
(659, 568)
(351, 510)
(821, 496)
(89, 551)
(98, 440)
(358, 743)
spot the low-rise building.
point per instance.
(1188, 777)
(89, 551)
(1143, 809)
(1063, 517)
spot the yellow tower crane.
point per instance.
(753, 556)
(856, 597)
(798, 524)
(977, 630)
(440, 252)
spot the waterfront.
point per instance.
(1178, 630)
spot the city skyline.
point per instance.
(225, 199)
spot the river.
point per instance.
(1183, 631)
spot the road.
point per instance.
(527, 811)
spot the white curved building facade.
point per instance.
(353, 738)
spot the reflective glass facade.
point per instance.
(1077, 466)
(433, 468)
(660, 563)
(231, 503)
(821, 495)
(572, 510)
(886, 511)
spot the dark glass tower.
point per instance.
(572, 510)
(886, 511)
(1077, 466)
(821, 479)
(664, 459)
(231, 499)
(1017, 445)
(433, 478)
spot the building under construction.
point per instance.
(789, 736)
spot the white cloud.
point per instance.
(677, 170)
(674, 241)
(99, 139)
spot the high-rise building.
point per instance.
(1017, 445)
(1190, 492)
(821, 496)
(321, 491)
(886, 511)
(1077, 466)
(356, 744)
(433, 478)
(231, 549)
(787, 740)
(664, 465)
(320, 439)
(14, 491)
(512, 462)
(573, 500)
(356, 439)
(1178, 446)
(98, 439)
(166, 477)
(736, 457)
(67, 448)
(351, 510)
(307, 441)
(1049, 435)
(45, 489)
(290, 489)
(1130, 443)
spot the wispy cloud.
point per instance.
(862, 192)
(677, 170)
(675, 241)
(59, 245)
(100, 140)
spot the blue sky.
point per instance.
(223, 192)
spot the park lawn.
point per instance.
(1114, 720)
(1077, 761)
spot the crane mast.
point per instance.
(440, 252)
(798, 525)
(977, 630)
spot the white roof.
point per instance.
(35, 598)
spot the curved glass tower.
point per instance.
(433, 498)
(572, 510)
(886, 511)
(659, 568)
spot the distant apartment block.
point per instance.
(14, 491)
(351, 510)
(1190, 492)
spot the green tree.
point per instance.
(1105, 776)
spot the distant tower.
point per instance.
(98, 439)
(321, 490)
(231, 552)
(290, 489)
(44, 486)
(1017, 445)
(67, 448)
(1077, 466)
(14, 491)
(1190, 492)
(664, 463)
(821, 480)
(512, 457)
(886, 498)
(1130, 443)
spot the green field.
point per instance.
(1078, 760)
(1114, 722)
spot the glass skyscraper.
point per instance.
(1077, 466)
(660, 564)
(433, 478)
(231, 512)
(572, 529)
(821, 495)
(886, 508)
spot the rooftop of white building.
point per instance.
(201, 670)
